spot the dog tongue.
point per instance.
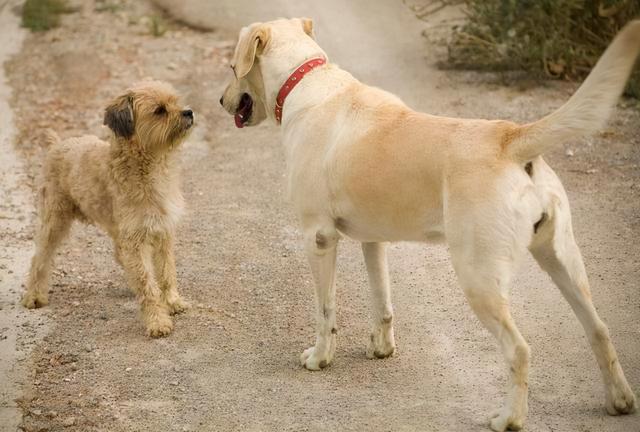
(244, 110)
(238, 120)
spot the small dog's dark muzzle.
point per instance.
(188, 116)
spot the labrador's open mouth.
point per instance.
(243, 114)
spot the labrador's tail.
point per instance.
(589, 108)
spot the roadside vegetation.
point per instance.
(546, 38)
(42, 15)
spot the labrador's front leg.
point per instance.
(382, 343)
(321, 245)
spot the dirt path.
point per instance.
(19, 330)
(232, 362)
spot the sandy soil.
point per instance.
(19, 330)
(232, 361)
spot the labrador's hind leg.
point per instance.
(487, 239)
(484, 280)
(555, 249)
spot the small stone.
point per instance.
(36, 412)
(88, 348)
(174, 383)
(76, 303)
(69, 421)
(128, 369)
(569, 152)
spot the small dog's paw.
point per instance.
(622, 401)
(312, 360)
(34, 301)
(159, 327)
(178, 306)
(504, 419)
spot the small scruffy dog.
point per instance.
(130, 188)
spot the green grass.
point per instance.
(157, 26)
(547, 38)
(106, 6)
(42, 15)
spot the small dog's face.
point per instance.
(259, 43)
(149, 112)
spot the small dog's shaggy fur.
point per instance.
(130, 188)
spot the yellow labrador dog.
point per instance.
(363, 164)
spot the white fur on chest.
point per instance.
(164, 215)
(154, 214)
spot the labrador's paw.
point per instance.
(381, 343)
(319, 356)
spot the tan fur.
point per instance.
(589, 108)
(363, 164)
(130, 188)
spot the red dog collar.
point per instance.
(293, 81)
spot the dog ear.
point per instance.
(250, 45)
(119, 116)
(307, 26)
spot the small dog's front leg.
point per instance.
(136, 260)
(165, 269)
(321, 246)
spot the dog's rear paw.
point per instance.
(622, 402)
(314, 359)
(504, 419)
(31, 301)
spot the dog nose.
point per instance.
(187, 113)
(221, 100)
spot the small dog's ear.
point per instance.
(119, 116)
(307, 26)
(251, 44)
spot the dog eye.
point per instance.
(160, 110)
